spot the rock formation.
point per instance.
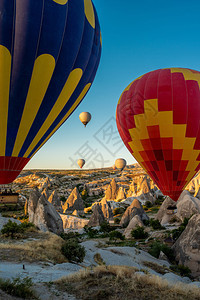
(165, 215)
(74, 202)
(54, 199)
(97, 217)
(141, 187)
(134, 209)
(187, 205)
(134, 222)
(187, 247)
(121, 194)
(46, 184)
(46, 193)
(43, 214)
(194, 184)
(112, 190)
(73, 222)
(106, 209)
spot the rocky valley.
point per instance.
(116, 218)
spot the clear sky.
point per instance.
(138, 37)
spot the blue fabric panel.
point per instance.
(27, 30)
(6, 23)
(53, 28)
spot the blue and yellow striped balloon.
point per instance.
(49, 55)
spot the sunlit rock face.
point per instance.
(194, 185)
(106, 209)
(143, 188)
(134, 222)
(45, 184)
(134, 209)
(164, 215)
(74, 202)
(55, 201)
(121, 194)
(187, 247)
(73, 222)
(187, 205)
(43, 214)
(112, 190)
(97, 217)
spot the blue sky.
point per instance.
(137, 36)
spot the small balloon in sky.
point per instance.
(85, 118)
(81, 162)
(158, 118)
(120, 164)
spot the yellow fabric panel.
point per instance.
(138, 157)
(78, 100)
(186, 154)
(65, 95)
(42, 73)
(136, 145)
(141, 128)
(165, 120)
(178, 143)
(151, 111)
(5, 67)
(101, 39)
(62, 2)
(192, 164)
(189, 143)
(89, 12)
(134, 133)
(189, 177)
(179, 130)
(188, 75)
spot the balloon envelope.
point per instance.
(49, 55)
(81, 163)
(85, 117)
(158, 118)
(120, 163)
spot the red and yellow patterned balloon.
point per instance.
(158, 118)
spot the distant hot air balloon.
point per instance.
(49, 55)
(158, 118)
(81, 163)
(114, 167)
(85, 118)
(120, 164)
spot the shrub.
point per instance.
(139, 233)
(116, 220)
(12, 228)
(148, 204)
(91, 232)
(155, 224)
(105, 227)
(146, 222)
(177, 232)
(156, 247)
(180, 269)
(73, 251)
(118, 211)
(114, 235)
(18, 287)
(70, 235)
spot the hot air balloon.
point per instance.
(114, 167)
(120, 164)
(81, 163)
(85, 118)
(49, 55)
(158, 118)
